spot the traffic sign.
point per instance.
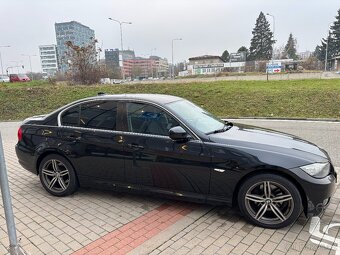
(274, 67)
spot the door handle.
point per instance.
(135, 146)
(73, 138)
(120, 139)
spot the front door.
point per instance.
(154, 161)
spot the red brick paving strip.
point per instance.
(136, 232)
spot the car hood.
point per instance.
(257, 137)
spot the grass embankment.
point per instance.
(294, 99)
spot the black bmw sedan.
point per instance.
(160, 144)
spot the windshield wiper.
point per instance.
(226, 127)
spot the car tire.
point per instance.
(269, 201)
(57, 176)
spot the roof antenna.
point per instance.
(101, 93)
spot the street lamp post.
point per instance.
(172, 56)
(326, 54)
(2, 68)
(16, 64)
(151, 62)
(121, 41)
(29, 57)
(273, 35)
(326, 57)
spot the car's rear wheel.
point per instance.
(269, 201)
(57, 175)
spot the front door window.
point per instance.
(147, 119)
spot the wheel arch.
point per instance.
(49, 152)
(279, 173)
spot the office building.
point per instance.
(146, 67)
(112, 58)
(75, 32)
(48, 59)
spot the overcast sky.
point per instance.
(206, 26)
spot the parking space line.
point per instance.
(136, 232)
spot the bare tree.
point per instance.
(312, 63)
(82, 62)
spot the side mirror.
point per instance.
(178, 134)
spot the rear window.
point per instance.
(98, 115)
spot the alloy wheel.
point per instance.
(269, 202)
(55, 175)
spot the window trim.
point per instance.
(120, 112)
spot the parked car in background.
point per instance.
(166, 145)
(4, 78)
(19, 78)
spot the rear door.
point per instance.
(92, 139)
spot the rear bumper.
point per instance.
(26, 159)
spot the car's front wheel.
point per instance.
(57, 175)
(269, 201)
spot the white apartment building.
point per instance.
(48, 59)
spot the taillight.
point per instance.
(19, 134)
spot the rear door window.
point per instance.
(99, 115)
(71, 117)
(96, 115)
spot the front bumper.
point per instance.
(318, 192)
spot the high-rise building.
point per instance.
(75, 32)
(112, 58)
(48, 59)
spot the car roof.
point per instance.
(155, 98)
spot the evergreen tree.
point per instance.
(290, 48)
(335, 36)
(320, 50)
(333, 41)
(245, 50)
(261, 45)
(225, 56)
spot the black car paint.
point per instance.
(206, 168)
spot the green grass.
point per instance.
(293, 99)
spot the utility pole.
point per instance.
(29, 57)
(2, 68)
(172, 56)
(273, 35)
(326, 57)
(121, 42)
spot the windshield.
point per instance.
(22, 75)
(196, 117)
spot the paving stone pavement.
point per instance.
(52, 225)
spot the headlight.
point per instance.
(317, 170)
